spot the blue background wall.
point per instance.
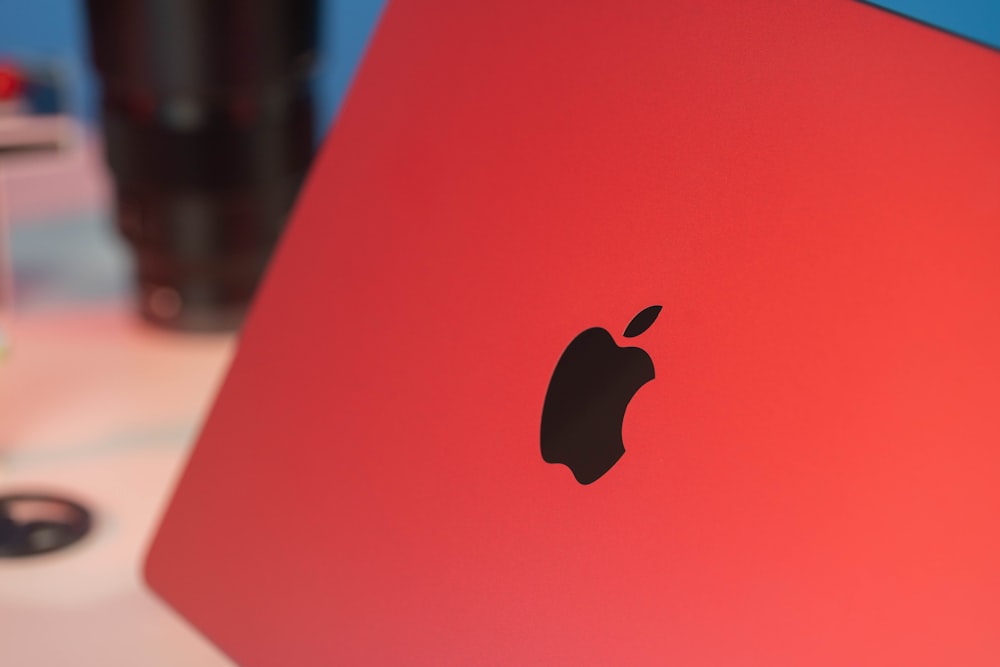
(978, 20)
(54, 28)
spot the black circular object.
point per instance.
(35, 524)
(207, 110)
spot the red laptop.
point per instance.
(621, 333)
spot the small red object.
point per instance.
(11, 82)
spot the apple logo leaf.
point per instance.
(642, 321)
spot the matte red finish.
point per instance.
(812, 192)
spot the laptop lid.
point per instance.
(426, 451)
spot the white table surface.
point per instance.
(97, 406)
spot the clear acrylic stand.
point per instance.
(30, 523)
(6, 277)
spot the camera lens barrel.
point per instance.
(208, 121)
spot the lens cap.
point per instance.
(31, 525)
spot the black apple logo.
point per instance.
(590, 389)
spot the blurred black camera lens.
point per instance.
(208, 122)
